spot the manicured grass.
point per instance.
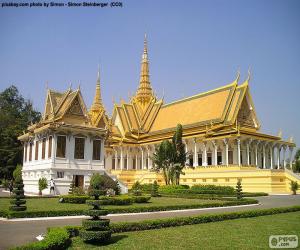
(248, 233)
(45, 204)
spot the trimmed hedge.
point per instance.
(123, 200)
(56, 238)
(182, 221)
(31, 214)
(95, 236)
(141, 199)
(78, 199)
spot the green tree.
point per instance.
(179, 155)
(294, 187)
(72, 186)
(163, 157)
(136, 188)
(16, 114)
(170, 157)
(154, 190)
(239, 190)
(18, 203)
(43, 184)
(296, 166)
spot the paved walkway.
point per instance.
(18, 232)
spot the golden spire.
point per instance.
(144, 92)
(97, 103)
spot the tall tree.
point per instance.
(16, 114)
(179, 154)
(163, 158)
(169, 157)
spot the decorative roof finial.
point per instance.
(70, 85)
(97, 103)
(249, 74)
(144, 92)
(280, 133)
(291, 139)
(47, 85)
(238, 76)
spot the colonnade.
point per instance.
(237, 151)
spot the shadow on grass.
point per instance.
(114, 239)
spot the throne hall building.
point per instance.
(221, 132)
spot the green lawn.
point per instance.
(248, 233)
(45, 204)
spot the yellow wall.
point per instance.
(253, 179)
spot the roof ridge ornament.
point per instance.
(249, 75)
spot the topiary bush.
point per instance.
(136, 189)
(141, 199)
(43, 184)
(18, 203)
(72, 186)
(70, 198)
(239, 190)
(96, 229)
(154, 189)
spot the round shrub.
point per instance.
(17, 208)
(94, 224)
(95, 236)
(141, 199)
(17, 202)
(95, 212)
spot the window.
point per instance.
(30, 151)
(209, 159)
(230, 157)
(96, 149)
(125, 162)
(43, 148)
(60, 174)
(191, 161)
(36, 150)
(25, 146)
(200, 159)
(133, 163)
(219, 158)
(113, 163)
(61, 146)
(79, 148)
(50, 147)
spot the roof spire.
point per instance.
(249, 74)
(97, 103)
(144, 92)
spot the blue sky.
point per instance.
(194, 46)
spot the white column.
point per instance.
(148, 157)
(195, 163)
(116, 158)
(256, 160)
(186, 152)
(226, 142)
(121, 158)
(284, 161)
(271, 156)
(264, 155)
(142, 150)
(247, 152)
(204, 155)
(278, 156)
(239, 151)
(215, 153)
(127, 159)
(136, 161)
(291, 162)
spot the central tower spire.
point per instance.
(144, 93)
(97, 103)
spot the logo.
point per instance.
(283, 241)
